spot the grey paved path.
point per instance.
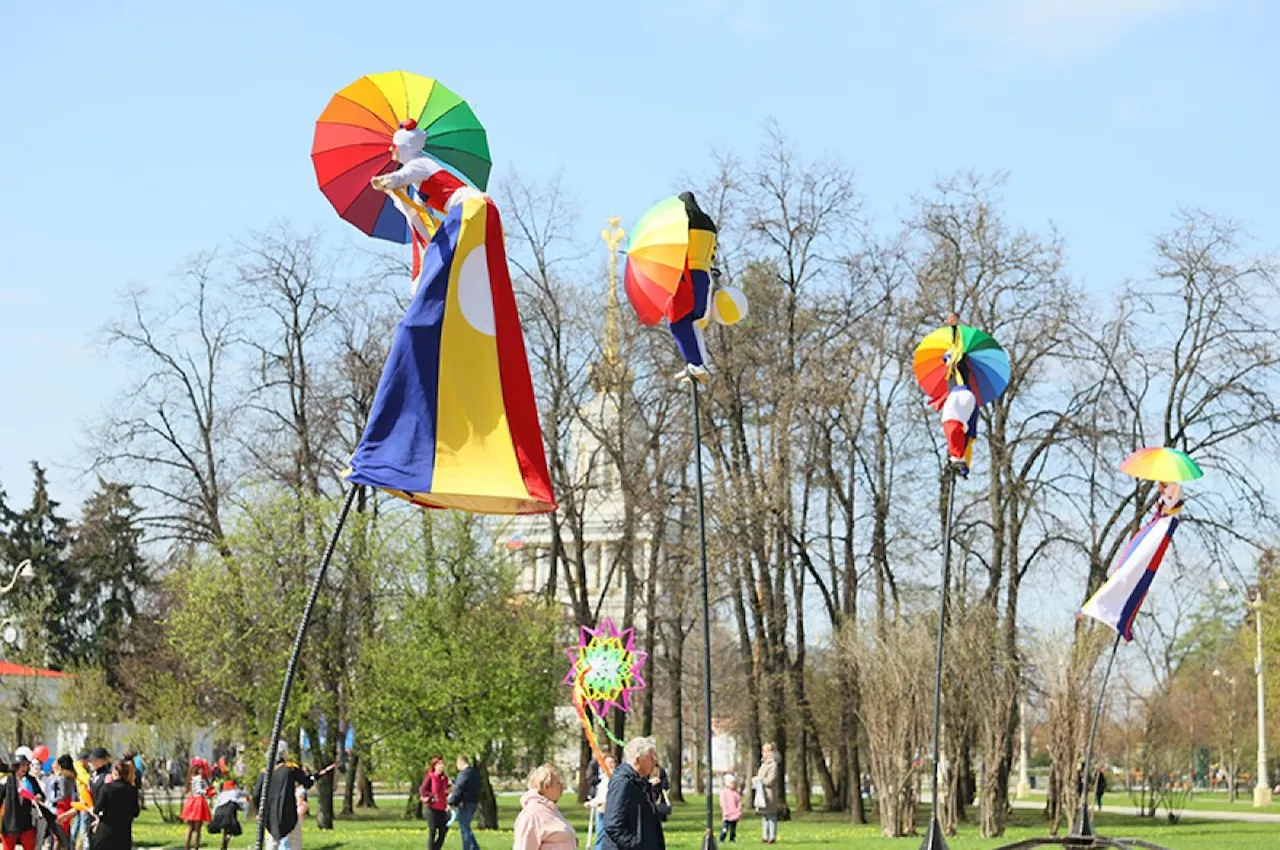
(1189, 814)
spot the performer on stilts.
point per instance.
(670, 275)
(454, 423)
(959, 406)
(1117, 601)
(687, 330)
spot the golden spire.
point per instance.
(612, 235)
(609, 372)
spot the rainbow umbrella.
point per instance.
(352, 144)
(656, 257)
(988, 365)
(1160, 463)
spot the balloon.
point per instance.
(47, 766)
(729, 305)
(41, 753)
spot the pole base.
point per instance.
(1083, 827)
(1024, 790)
(933, 839)
(709, 840)
(1261, 795)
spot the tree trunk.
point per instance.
(619, 732)
(675, 747)
(651, 624)
(751, 666)
(487, 810)
(802, 782)
(413, 805)
(857, 809)
(584, 761)
(349, 791)
(324, 796)
(366, 800)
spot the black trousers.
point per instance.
(437, 821)
(729, 828)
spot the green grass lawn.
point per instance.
(385, 829)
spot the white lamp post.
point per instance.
(1024, 780)
(1261, 788)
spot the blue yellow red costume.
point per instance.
(454, 423)
(687, 330)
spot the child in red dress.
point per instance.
(195, 811)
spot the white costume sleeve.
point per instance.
(412, 172)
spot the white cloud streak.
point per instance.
(1060, 30)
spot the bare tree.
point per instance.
(895, 714)
(170, 434)
(288, 284)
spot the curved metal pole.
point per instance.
(708, 841)
(1085, 827)
(292, 670)
(17, 572)
(933, 838)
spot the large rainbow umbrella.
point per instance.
(988, 364)
(353, 144)
(1160, 463)
(656, 257)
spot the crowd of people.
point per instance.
(91, 802)
(88, 803)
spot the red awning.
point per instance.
(8, 668)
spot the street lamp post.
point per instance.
(1231, 736)
(23, 571)
(1261, 788)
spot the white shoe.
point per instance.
(695, 373)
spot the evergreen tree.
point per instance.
(113, 572)
(44, 608)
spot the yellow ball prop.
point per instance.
(729, 306)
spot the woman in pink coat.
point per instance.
(540, 826)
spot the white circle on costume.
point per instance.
(475, 297)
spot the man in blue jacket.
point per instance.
(465, 797)
(630, 822)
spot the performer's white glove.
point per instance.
(382, 182)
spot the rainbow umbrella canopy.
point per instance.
(656, 256)
(1160, 463)
(352, 144)
(959, 347)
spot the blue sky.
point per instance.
(139, 133)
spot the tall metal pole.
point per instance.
(933, 840)
(709, 839)
(1261, 788)
(1085, 827)
(292, 670)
